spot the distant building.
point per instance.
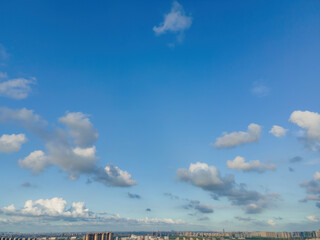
(99, 236)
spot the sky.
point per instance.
(159, 115)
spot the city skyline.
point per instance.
(157, 116)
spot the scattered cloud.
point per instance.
(230, 140)
(12, 143)
(313, 189)
(295, 159)
(278, 131)
(26, 184)
(271, 222)
(170, 195)
(37, 161)
(72, 150)
(54, 208)
(57, 210)
(310, 123)
(113, 176)
(253, 166)
(176, 21)
(244, 219)
(209, 179)
(17, 88)
(204, 218)
(196, 205)
(80, 128)
(259, 89)
(312, 218)
(316, 176)
(134, 196)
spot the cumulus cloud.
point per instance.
(37, 161)
(209, 179)
(312, 218)
(114, 176)
(11, 143)
(313, 189)
(24, 118)
(310, 122)
(176, 21)
(54, 208)
(134, 196)
(230, 140)
(72, 150)
(253, 166)
(278, 131)
(17, 88)
(58, 210)
(80, 128)
(196, 205)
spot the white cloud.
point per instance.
(312, 218)
(253, 166)
(313, 189)
(18, 88)
(200, 174)
(310, 122)
(71, 150)
(278, 131)
(175, 21)
(56, 209)
(37, 161)
(316, 176)
(50, 208)
(80, 128)
(209, 179)
(114, 176)
(229, 140)
(25, 118)
(12, 143)
(271, 222)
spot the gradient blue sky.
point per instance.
(159, 101)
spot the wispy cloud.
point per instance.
(259, 89)
(17, 88)
(134, 196)
(176, 21)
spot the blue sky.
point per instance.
(110, 108)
